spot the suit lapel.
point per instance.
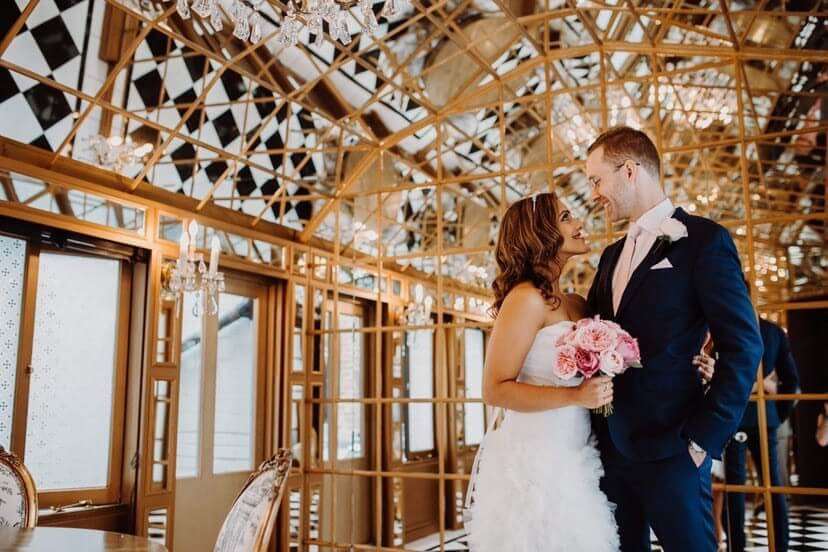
(657, 252)
(638, 277)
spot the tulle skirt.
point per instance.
(537, 489)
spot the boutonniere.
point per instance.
(670, 231)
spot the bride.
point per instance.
(537, 486)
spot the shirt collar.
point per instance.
(652, 219)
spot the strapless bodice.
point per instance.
(537, 368)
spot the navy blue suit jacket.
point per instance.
(661, 406)
(777, 358)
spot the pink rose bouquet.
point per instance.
(595, 347)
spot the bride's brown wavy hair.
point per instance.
(527, 249)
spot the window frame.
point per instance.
(420, 455)
(486, 411)
(333, 377)
(112, 491)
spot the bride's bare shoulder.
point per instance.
(523, 307)
(525, 295)
(526, 301)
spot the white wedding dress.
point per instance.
(536, 488)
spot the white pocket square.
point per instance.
(664, 263)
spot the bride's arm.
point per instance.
(521, 316)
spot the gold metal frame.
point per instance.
(25, 479)
(696, 158)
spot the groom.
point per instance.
(673, 277)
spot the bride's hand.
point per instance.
(706, 365)
(594, 392)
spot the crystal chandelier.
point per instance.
(363, 234)
(117, 154)
(311, 13)
(299, 14)
(244, 15)
(418, 311)
(189, 273)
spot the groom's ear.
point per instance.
(630, 168)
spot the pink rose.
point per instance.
(596, 337)
(583, 322)
(613, 326)
(627, 347)
(612, 363)
(587, 362)
(565, 366)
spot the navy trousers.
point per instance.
(672, 496)
(736, 473)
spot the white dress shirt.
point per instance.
(641, 236)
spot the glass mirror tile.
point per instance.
(75, 203)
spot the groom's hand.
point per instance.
(697, 456)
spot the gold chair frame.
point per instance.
(280, 462)
(25, 479)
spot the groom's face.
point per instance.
(612, 189)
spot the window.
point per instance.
(419, 380)
(235, 398)
(67, 328)
(72, 383)
(350, 416)
(474, 425)
(298, 329)
(189, 396)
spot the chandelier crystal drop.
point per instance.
(390, 9)
(183, 9)
(336, 13)
(202, 8)
(215, 18)
(246, 19)
(315, 28)
(370, 23)
(242, 29)
(255, 28)
(289, 32)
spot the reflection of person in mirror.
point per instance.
(780, 376)
(822, 427)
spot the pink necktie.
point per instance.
(625, 265)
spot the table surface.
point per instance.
(55, 539)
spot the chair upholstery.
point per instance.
(249, 524)
(18, 497)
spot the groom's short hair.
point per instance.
(622, 143)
